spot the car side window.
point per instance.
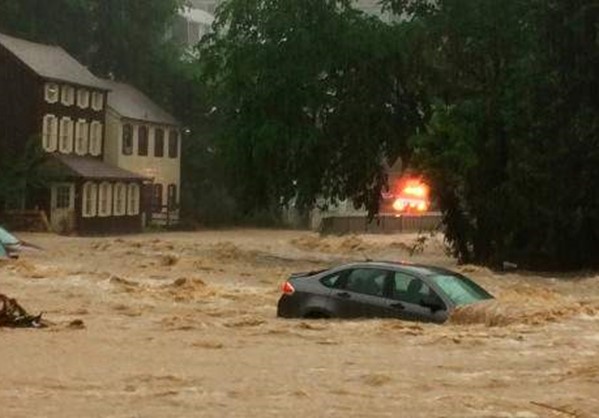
(331, 280)
(367, 281)
(409, 289)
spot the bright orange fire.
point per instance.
(412, 195)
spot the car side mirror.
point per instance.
(433, 303)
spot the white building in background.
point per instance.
(191, 25)
(196, 18)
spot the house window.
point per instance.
(133, 199)
(90, 196)
(83, 98)
(142, 140)
(66, 135)
(97, 100)
(50, 133)
(63, 197)
(159, 143)
(127, 139)
(51, 92)
(157, 198)
(95, 142)
(67, 95)
(120, 199)
(173, 144)
(172, 196)
(105, 199)
(81, 137)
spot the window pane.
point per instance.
(173, 144)
(97, 101)
(63, 197)
(81, 137)
(409, 289)
(51, 92)
(120, 196)
(133, 199)
(105, 204)
(127, 139)
(83, 98)
(50, 133)
(367, 281)
(331, 281)
(67, 95)
(157, 198)
(89, 199)
(66, 135)
(460, 289)
(159, 143)
(95, 146)
(172, 196)
(142, 144)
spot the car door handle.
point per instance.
(344, 295)
(398, 305)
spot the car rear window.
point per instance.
(331, 280)
(460, 289)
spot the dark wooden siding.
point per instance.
(19, 99)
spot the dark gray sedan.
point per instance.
(378, 290)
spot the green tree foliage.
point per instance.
(312, 96)
(511, 147)
(121, 39)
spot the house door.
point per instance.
(147, 197)
(62, 215)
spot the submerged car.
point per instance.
(12, 245)
(378, 290)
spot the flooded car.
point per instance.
(378, 290)
(12, 245)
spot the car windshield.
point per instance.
(461, 290)
(6, 238)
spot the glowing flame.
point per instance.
(412, 195)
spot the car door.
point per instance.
(360, 293)
(407, 293)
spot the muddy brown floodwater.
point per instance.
(184, 325)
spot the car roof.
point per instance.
(418, 269)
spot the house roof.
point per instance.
(51, 62)
(90, 168)
(131, 103)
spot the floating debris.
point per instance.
(12, 315)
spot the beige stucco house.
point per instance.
(143, 138)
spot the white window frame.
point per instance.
(48, 95)
(97, 100)
(120, 195)
(105, 196)
(67, 95)
(83, 98)
(90, 192)
(50, 139)
(133, 196)
(81, 137)
(65, 139)
(95, 138)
